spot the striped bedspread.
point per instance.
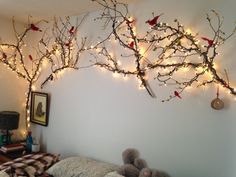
(32, 165)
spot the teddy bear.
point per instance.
(132, 163)
(137, 167)
(147, 172)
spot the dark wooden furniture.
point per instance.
(6, 157)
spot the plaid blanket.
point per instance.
(32, 165)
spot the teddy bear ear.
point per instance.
(129, 156)
(140, 163)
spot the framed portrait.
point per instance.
(39, 108)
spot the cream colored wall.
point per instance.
(12, 93)
(95, 115)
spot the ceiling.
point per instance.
(45, 9)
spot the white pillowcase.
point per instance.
(80, 167)
(3, 174)
(113, 174)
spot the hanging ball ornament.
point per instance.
(217, 103)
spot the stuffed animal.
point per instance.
(140, 163)
(129, 155)
(146, 172)
(129, 170)
(137, 167)
(132, 163)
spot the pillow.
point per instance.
(113, 174)
(80, 167)
(3, 174)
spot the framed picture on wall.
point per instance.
(39, 108)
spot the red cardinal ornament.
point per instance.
(131, 45)
(153, 22)
(35, 28)
(71, 31)
(68, 44)
(30, 57)
(177, 94)
(209, 41)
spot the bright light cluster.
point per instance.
(165, 52)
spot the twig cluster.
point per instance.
(28, 68)
(66, 47)
(57, 48)
(166, 49)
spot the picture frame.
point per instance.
(39, 108)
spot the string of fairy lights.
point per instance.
(168, 50)
(163, 53)
(57, 50)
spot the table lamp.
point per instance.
(9, 120)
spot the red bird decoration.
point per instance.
(131, 45)
(177, 94)
(34, 28)
(209, 41)
(71, 31)
(30, 57)
(68, 44)
(153, 21)
(4, 56)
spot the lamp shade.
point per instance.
(9, 120)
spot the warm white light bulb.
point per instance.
(185, 69)
(141, 87)
(115, 75)
(189, 87)
(119, 63)
(188, 31)
(57, 51)
(102, 69)
(33, 87)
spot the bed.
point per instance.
(48, 165)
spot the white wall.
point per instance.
(95, 115)
(12, 90)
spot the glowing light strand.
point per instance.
(167, 49)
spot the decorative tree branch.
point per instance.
(67, 49)
(123, 31)
(63, 54)
(183, 50)
(166, 49)
(28, 68)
